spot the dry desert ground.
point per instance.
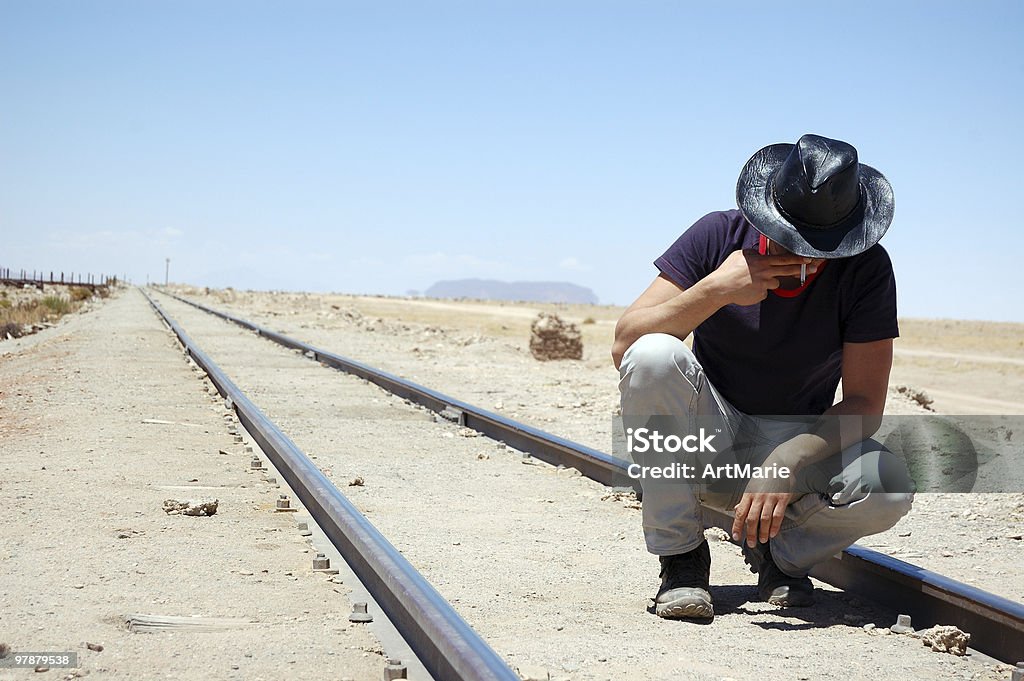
(103, 420)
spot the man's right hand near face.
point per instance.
(745, 277)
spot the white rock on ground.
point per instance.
(946, 639)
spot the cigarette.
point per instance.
(803, 273)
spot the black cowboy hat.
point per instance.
(814, 199)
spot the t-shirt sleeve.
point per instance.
(694, 254)
(871, 313)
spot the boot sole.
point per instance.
(684, 610)
(791, 600)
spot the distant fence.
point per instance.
(39, 279)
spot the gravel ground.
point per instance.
(101, 421)
(975, 538)
(547, 566)
(104, 408)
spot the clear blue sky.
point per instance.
(381, 146)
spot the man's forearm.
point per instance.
(677, 316)
(843, 425)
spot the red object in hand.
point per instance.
(762, 248)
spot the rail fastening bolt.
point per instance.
(902, 626)
(394, 669)
(284, 503)
(321, 562)
(256, 463)
(304, 530)
(1018, 673)
(359, 613)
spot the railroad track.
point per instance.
(996, 624)
(442, 640)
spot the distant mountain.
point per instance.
(531, 291)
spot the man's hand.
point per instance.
(745, 277)
(762, 509)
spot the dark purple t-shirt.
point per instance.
(782, 355)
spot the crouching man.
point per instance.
(785, 297)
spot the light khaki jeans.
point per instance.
(847, 497)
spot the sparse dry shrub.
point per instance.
(589, 320)
(917, 395)
(21, 315)
(79, 293)
(57, 305)
(103, 291)
(29, 315)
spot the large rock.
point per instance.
(202, 507)
(552, 338)
(946, 639)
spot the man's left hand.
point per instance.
(762, 509)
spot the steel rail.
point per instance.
(444, 642)
(996, 624)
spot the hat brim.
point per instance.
(853, 236)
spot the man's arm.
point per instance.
(664, 307)
(744, 278)
(866, 368)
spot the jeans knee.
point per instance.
(888, 473)
(891, 507)
(882, 510)
(655, 357)
(878, 485)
